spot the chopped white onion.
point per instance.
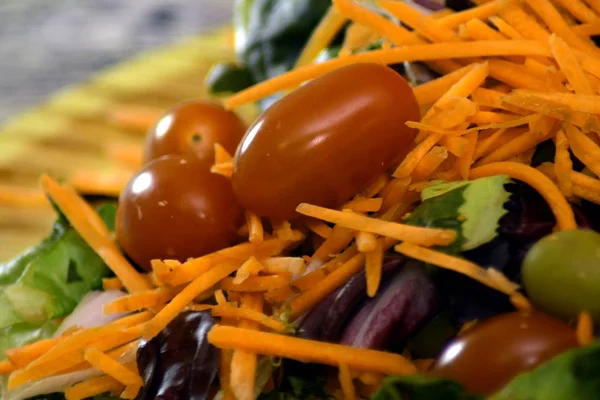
(90, 311)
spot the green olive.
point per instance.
(561, 274)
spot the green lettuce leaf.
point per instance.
(47, 282)
(471, 208)
(419, 387)
(573, 375)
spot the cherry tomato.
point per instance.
(488, 356)
(325, 141)
(192, 128)
(561, 274)
(175, 208)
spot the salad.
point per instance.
(412, 215)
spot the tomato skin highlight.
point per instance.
(175, 208)
(488, 356)
(192, 128)
(324, 142)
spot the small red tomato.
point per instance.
(324, 142)
(488, 356)
(192, 128)
(175, 208)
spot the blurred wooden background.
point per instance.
(52, 76)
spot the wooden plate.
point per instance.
(71, 131)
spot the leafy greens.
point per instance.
(47, 282)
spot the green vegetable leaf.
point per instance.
(47, 282)
(572, 375)
(272, 33)
(301, 389)
(419, 387)
(228, 77)
(471, 208)
(482, 209)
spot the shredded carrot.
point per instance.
(228, 337)
(255, 227)
(424, 52)
(479, 30)
(220, 297)
(584, 148)
(243, 363)
(112, 368)
(394, 192)
(328, 284)
(224, 169)
(585, 329)
(523, 22)
(517, 75)
(373, 267)
(229, 311)
(578, 102)
(429, 163)
(130, 156)
(366, 242)
(594, 4)
(20, 357)
(199, 307)
(537, 104)
(413, 234)
(463, 164)
(412, 159)
(291, 265)
(480, 12)
(557, 202)
(563, 164)
(550, 15)
(579, 10)
(453, 144)
(586, 187)
(22, 197)
(590, 29)
(257, 283)
(569, 65)
(100, 183)
(187, 295)
(249, 268)
(505, 28)
(6, 367)
(540, 131)
(140, 300)
(459, 265)
(130, 392)
(429, 92)
(364, 205)
(175, 273)
(420, 22)
(375, 22)
(339, 238)
(112, 284)
(282, 229)
(520, 302)
(321, 37)
(92, 387)
(345, 377)
(135, 118)
(71, 356)
(319, 227)
(69, 203)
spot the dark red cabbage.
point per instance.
(179, 363)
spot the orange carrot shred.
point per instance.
(585, 329)
(228, 337)
(257, 283)
(135, 118)
(92, 387)
(557, 202)
(464, 162)
(186, 296)
(563, 164)
(346, 383)
(230, 311)
(111, 367)
(373, 268)
(70, 205)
